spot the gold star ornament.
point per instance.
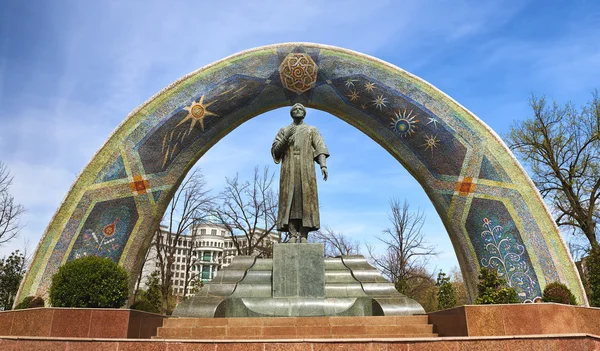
(197, 111)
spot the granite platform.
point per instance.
(298, 282)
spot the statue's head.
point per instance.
(298, 111)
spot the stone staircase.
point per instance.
(296, 328)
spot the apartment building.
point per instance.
(208, 249)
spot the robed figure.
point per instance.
(298, 146)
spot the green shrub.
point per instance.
(91, 282)
(143, 305)
(30, 302)
(24, 303)
(559, 293)
(592, 265)
(492, 289)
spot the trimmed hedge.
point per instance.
(89, 281)
(559, 293)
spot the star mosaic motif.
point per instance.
(197, 111)
(363, 106)
(434, 121)
(369, 86)
(431, 142)
(380, 102)
(350, 82)
(353, 95)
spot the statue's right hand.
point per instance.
(290, 132)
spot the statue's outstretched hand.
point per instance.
(324, 172)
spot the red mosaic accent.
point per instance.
(466, 187)
(139, 185)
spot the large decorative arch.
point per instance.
(489, 206)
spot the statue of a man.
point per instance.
(298, 146)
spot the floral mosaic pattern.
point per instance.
(506, 256)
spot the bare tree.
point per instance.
(147, 259)
(460, 289)
(189, 260)
(336, 244)
(9, 210)
(191, 203)
(248, 209)
(562, 148)
(407, 253)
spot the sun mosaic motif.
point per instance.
(404, 123)
(197, 111)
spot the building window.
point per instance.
(213, 232)
(222, 233)
(202, 231)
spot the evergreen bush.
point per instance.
(143, 305)
(445, 294)
(492, 289)
(91, 282)
(592, 265)
(559, 293)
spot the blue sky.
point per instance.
(70, 71)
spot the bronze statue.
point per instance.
(297, 146)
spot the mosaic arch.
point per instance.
(489, 206)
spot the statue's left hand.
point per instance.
(324, 172)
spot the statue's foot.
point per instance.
(303, 240)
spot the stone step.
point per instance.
(296, 328)
(294, 321)
(296, 337)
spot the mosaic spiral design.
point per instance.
(491, 210)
